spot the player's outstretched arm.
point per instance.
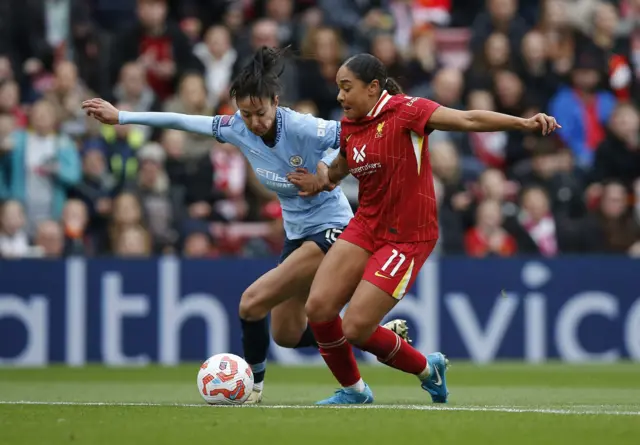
(448, 119)
(106, 113)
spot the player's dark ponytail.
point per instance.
(368, 68)
(392, 86)
(260, 78)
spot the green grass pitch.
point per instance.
(506, 403)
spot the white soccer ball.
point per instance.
(225, 379)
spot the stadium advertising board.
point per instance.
(130, 313)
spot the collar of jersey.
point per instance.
(278, 127)
(377, 108)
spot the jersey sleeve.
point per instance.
(194, 124)
(317, 134)
(416, 113)
(330, 156)
(222, 128)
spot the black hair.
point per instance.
(368, 68)
(260, 78)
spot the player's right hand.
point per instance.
(308, 183)
(101, 110)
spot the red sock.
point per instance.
(395, 352)
(336, 351)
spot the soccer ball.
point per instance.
(225, 379)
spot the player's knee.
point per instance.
(286, 337)
(319, 310)
(251, 306)
(356, 331)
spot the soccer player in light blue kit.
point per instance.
(276, 141)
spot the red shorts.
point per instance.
(393, 267)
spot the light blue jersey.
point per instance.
(301, 141)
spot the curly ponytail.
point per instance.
(260, 78)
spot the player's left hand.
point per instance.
(101, 110)
(308, 183)
(544, 123)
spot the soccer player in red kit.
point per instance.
(378, 257)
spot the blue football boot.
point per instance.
(348, 396)
(436, 383)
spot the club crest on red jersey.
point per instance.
(379, 130)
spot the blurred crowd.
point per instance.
(69, 186)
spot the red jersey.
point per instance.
(388, 153)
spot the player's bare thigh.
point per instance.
(289, 321)
(293, 277)
(367, 308)
(336, 280)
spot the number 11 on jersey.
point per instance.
(394, 254)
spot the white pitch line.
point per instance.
(488, 408)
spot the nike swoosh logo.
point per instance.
(438, 382)
(378, 274)
(348, 137)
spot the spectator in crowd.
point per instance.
(133, 241)
(384, 48)
(199, 244)
(75, 220)
(494, 56)
(95, 190)
(127, 214)
(556, 27)
(44, 166)
(120, 144)
(218, 57)
(14, 242)
(153, 192)
(488, 237)
(272, 243)
(423, 60)
(447, 89)
(322, 54)
(585, 108)
(66, 96)
(535, 69)
(502, 16)
(357, 21)
(158, 45)
(537, 230)
(446, 167)
(133, 89)
(492, 184)
(230, 180)
(6, 67)
(50, 32)
(49, 239)
(6, 146)
(10, 102)
(192, 99)
(281, 12)
(618, 156)
(484, 149)
(612, 228)
(451, 237)
(549, 170)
